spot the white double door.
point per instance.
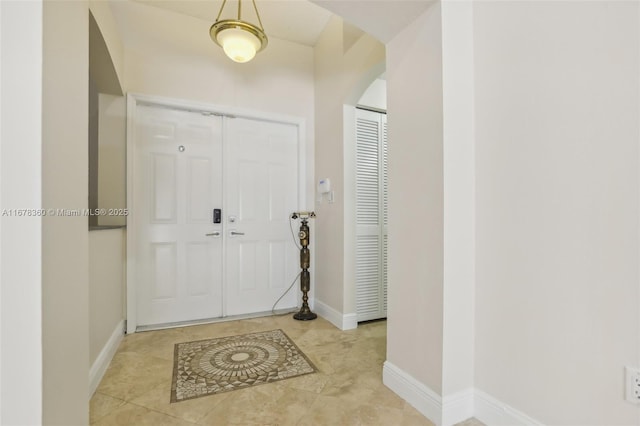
(187, 165)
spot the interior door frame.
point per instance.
(136, 99)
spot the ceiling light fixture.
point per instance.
(239, 39)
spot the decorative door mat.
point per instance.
(207, 367)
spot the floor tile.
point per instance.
(132, 374)
(131, 414)
(330, 410)
(193, 410)
(347, 389)
(411, 417)
(245, 407)
(101, 405)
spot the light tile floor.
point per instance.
(347, 390)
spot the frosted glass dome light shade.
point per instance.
(240, 40)
(239, 45)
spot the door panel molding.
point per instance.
(261, 182)
(134, 101)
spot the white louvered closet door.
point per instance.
(371, 215)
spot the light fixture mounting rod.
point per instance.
(257, 14)
(221, 9)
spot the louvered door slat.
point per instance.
(385, 193)
(371, 215)
(367, 277)
(367, 172)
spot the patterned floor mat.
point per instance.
(207, 367)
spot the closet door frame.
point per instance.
(135, 99)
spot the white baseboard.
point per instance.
(423, 399)
(454, 408)
(458, 407)
(342, 321)
(101, 363)
(493, 412)
(349, 321)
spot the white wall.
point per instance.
(107, 304)
(459, 199)
(430, 338)
(557, 107)
(329, 226)
(20, 237)
(65, 313)
(112, 159)
(415, 257)
(341, 77)
(376, 95)
(106, 287)
(101, 11)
